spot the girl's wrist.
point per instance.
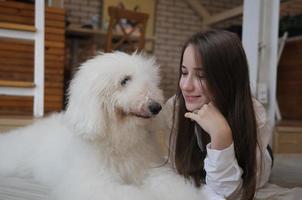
(222, 140)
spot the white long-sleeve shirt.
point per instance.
(223, 174)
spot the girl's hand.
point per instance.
(214, 123)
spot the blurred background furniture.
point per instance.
(131, 26)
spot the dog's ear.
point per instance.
(86, 118)
(85, 113)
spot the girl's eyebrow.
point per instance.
(196, 69)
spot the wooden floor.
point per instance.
(11, 122)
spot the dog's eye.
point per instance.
(125, 80)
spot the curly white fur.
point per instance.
(98, 148)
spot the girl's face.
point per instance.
(193, 82)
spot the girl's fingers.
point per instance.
(192, 116)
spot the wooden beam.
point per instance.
(199, 9)
(21, 84)
(231, 13)
(18, 27)
(213, 19)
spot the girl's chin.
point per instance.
(195, 106)
(192, 108)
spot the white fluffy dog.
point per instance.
(98, 148)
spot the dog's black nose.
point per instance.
(154, 108)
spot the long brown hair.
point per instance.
(226, 70)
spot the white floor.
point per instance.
(287, 172)
(13, 188)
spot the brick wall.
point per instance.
(175, 22)
(81, 11)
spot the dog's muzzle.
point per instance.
(151, 109)
(154, 108)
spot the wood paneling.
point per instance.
(288, 137)
(17, 58)
(289, 81)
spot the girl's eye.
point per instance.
(125, 80)
(201, 76)
(184, 73)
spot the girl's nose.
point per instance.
(188, 84)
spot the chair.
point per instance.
(131, 36)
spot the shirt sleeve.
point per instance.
(223, 172)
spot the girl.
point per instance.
(219, 135)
